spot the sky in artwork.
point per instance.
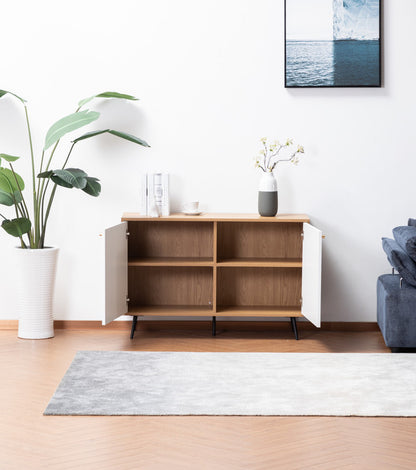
(309, 20)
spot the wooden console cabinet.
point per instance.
(214, 265)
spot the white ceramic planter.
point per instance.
(36, 280)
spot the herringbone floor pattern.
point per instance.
(31, 370)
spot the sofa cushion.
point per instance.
(406, 237)
(400, 260)
(411, 222)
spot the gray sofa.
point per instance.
(396, 293)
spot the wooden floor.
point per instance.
(31, 370)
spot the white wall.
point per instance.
(210, 78)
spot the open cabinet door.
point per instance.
(311, 274)
(115, 239)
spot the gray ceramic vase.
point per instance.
(268, 195)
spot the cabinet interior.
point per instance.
(259, 241)
(259, 287)
(228, 268)
(170, 286)
(170, 240)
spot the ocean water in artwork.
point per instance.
(356, 63)
(309, 63)
(332, 63)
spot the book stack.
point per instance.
(155, 194)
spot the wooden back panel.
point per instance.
(158, 239)
(259, 286)
(153, 286)
(259, 240)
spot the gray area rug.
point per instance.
(267, 384)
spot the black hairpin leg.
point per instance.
(294, 327)
(133, 326)
(214, 326)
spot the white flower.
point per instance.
(269, 155)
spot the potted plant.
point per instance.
(37, 262)
(269, 157)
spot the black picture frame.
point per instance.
(372, 78)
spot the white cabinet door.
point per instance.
(311, 274)
(115, 239)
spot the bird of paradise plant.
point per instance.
(30, 225)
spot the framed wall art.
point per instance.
(332, 43)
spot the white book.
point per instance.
(152, 209)
(155, 194)
(144, 192)
(161, 193)
(166, 206)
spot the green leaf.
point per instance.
(90, 134)
(4, 92)
(123, 135)
(93, 187)
(8, 158)
(17, 227)
(18, 197)
(67, 124)
(73, 176)
(8, 181)
(115, 94)
(60, 182)
(6, 198)
(45, 174)
(130, 137)
(107, 94)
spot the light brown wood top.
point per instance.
(223, 217)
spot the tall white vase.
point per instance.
(36, 280)
(267, 202)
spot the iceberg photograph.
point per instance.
(332, 43)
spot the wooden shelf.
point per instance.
(261, 262)
(170, 261)
(225, 311)
(172, 310)
(218, 217)
(258, 310)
